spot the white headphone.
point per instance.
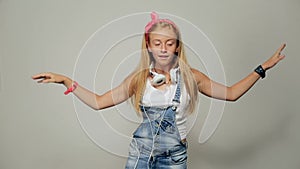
(157, 79)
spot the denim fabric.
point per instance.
(156, 142)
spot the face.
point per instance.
(163, 44)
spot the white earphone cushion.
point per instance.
(158, 79)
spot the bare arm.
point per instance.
(95, 101)
(234, 92)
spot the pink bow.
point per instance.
(155, 19)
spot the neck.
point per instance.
(163, 69)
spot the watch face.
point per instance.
(259, 70)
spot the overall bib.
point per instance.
(156, 143)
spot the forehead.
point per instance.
(163, 34)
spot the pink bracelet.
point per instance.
(71, 89)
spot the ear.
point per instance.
(177, 51)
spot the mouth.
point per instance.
(163, 56)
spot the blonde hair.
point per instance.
(138, 82)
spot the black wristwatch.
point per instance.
(259, 70)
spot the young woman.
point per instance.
(164, 90)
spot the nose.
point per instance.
(163, 48)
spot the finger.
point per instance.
(40, 81)
(37, 77)
(280, 49)
(40, 75)
(46, 81)
(281, 57)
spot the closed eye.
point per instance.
(156, 44)
(170, 44)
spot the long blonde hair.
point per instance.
(138, 82)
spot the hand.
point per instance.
(49, 78)
(275, 58)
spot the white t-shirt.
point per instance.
(163, 98)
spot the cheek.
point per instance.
(153, 49)
(174, 49)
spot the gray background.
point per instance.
(39, 126)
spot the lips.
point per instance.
(163, 56)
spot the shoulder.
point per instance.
(198, 75)
(136, 81)
(195, 71)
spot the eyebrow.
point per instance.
(172, 39)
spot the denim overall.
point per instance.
(156, 142)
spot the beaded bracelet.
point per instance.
(72, 88)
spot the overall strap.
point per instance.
(177, 94)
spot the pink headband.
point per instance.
(155, 19)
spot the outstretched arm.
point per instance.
(234, 92)
(95, 101)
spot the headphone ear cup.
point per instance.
(158, 79)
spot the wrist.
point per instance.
(265, 66)
(72, 88)
(67, 82)
(260, 71)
